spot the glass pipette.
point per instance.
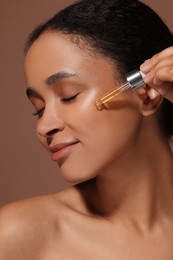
(134, 81)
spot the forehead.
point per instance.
(53, 52)
(50, 49)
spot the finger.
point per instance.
(166, 62)
(162, 64)
(157, 76)
(145, 67)
(165, 89)
(166, 53)
(164, 74)
(150, 63)
(157, 81)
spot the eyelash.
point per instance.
(64, 100)
(69, 99)
(38, 113)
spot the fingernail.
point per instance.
(153, 93)
(143, 65)
(147, 78)
(157, 82)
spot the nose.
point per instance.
(49, 124)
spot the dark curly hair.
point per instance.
(126, 31)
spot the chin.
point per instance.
(74, 176)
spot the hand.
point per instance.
(159, 72)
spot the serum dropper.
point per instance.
(134, 81)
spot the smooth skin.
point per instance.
(121, 207)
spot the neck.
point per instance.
(139, 187)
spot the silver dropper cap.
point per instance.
(135, 79)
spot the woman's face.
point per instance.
(64, 81)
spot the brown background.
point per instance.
(25, 168)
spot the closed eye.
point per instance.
(69, 99)
(38, 113)
(64, 100)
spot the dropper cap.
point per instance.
(135, 79)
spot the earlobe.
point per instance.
(150, 100)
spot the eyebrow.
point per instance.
(54, 78)
(59, 76)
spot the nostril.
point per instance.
(52, 132)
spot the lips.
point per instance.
(62, 150)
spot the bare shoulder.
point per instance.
(29, 228)
(28, 224)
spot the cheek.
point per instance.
(104, 139)
(104, 136)
(109, 129)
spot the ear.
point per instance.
(150, 100)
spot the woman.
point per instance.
(118, 158)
